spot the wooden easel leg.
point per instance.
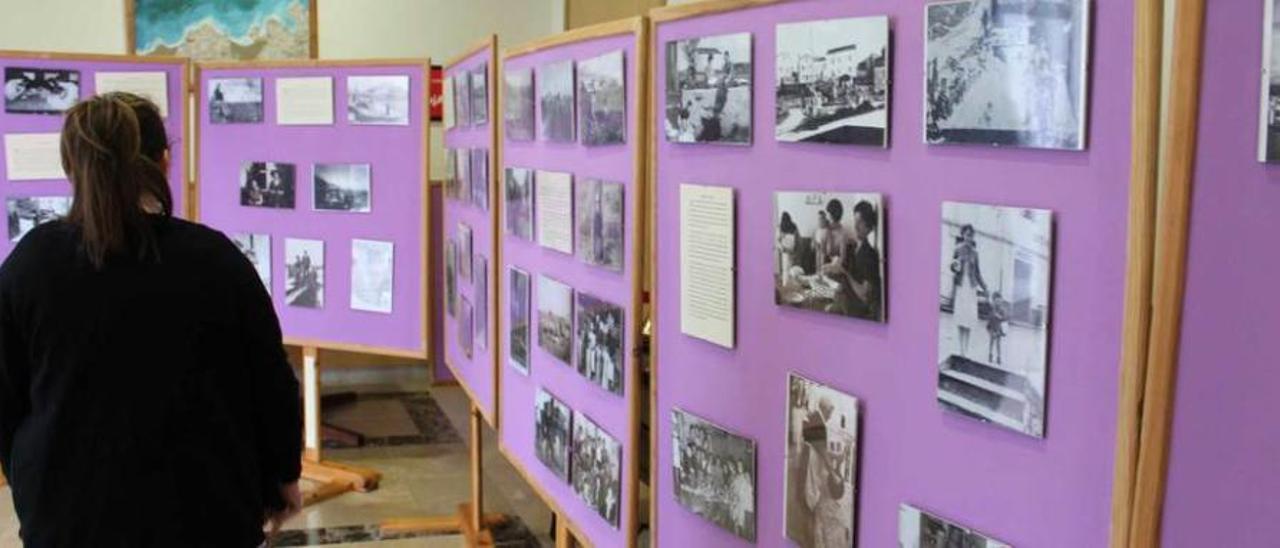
(563, 539)
(311, 403)
(335, 478)
(477, 478)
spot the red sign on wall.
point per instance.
(435, 93)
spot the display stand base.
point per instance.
(334, 478)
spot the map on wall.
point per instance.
(223, 29)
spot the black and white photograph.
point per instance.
(342, 187)
(40, 90)
(451, 278)
(993, 330)
(518, 113)
(602, 100)
(462, 182)
(465, 256)
(833, 82)
(235, 100)
(462, 98)
(479, 174)
(481, 294)
(597, 468)
(553, 423)
(304, 269)
(829, 253)
(450, 174)
(715, 473)
(920, 529)
(378, 100)
(372, 272)
(555, 319)
(28, 212)
(256, 248)
(519, 319)
(466, 327)
(555, 101)
(519, 202)
(598, 213)
(709, 90)
(600, 336)
(268, 184)
(480, 95)
(821, 465)
(1269, 114)
(1007, 73)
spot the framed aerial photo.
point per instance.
(833, 81)
(207, 30)
(829, 253)
(1269, 112)
(709, 90)
(1007, 73)
(920, 529)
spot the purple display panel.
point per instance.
(478, 372)
(89, 65)
(440, 373)
(1224, 453)
(1029, 492)
(616, 414)
(399, 204)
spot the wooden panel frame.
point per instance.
(131, 32)
(425, 262)
(640, 210)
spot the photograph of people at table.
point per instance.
(828, 253)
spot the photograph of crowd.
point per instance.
(555, 319)
(598, 212)
(551, 427)
(602, 100)
(29, 90)
(994, 313)
(555, 100)
(519, 202)
(821, 465)
(462, 98)
(256, 248)
(372, 273)
(268, 184)
(481, 295)
(828, 254)
(479, 173)
(28, 212)
(920, 529)
(342, 187)
(304, 269)
(1007, 72)
(715, 473)
(466, 326)
(518, 104)
(518, 315)
(833, 81)
(1269, 114)
(709, 90)
(600, 339)
(597, 468)
(235, 100)
(480, 95)
(378, 100)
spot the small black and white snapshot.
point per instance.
(462, 182)
(268, 184)
(518, 112)
(480, 95)
(451, 278)
(828, 254)
(821, 464)
(1269, 114)
(994, 315)
(304, 269)
(715, 473)
(480, 292)
(597, 468)
(551, 429)
(519, 207)
(709, 90)
(31, 90)
(342, 187)
(602, 100)
(466, 327)
(256, 248)
(555, 101)
(555, 319)
(28, 212)
(372, 273)
(462, 98)
(378, 100)
(465, 256)
(598, 217)
(479, 173)
(920, 529)
(833, 81)
(235, 100)
(1007, 73)
(519, 318)
(600, 337)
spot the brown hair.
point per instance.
(113, 150)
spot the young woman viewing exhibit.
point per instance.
(145, 396)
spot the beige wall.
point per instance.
(583, 13)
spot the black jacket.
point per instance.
(147, 403)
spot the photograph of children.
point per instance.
(256, 248)
(715, 473)
(555, 319)
(518, 104)
(1007, 73)
(481, 294)
(304, 268)
(1269, 115)
(28, 212)
(709, 90)
(833, 81)
(462, 98)
(464, 252)
(994, 313)
(451, 278)
(821, 465)
(555, 99)
(341, 187)
(480, 178)
(602, 100)
(552, 424)
(462, 183)
(40, 90)
(480, 95)
(378, 100)
(920, 529)
(519, 197)
(466, 326)
(599, 342)
(597, 468)
(828, 254)
(268, 184)
(235, 100)
(598, 214)
(372, 273)
(518, 314)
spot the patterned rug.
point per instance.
(392, 420)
